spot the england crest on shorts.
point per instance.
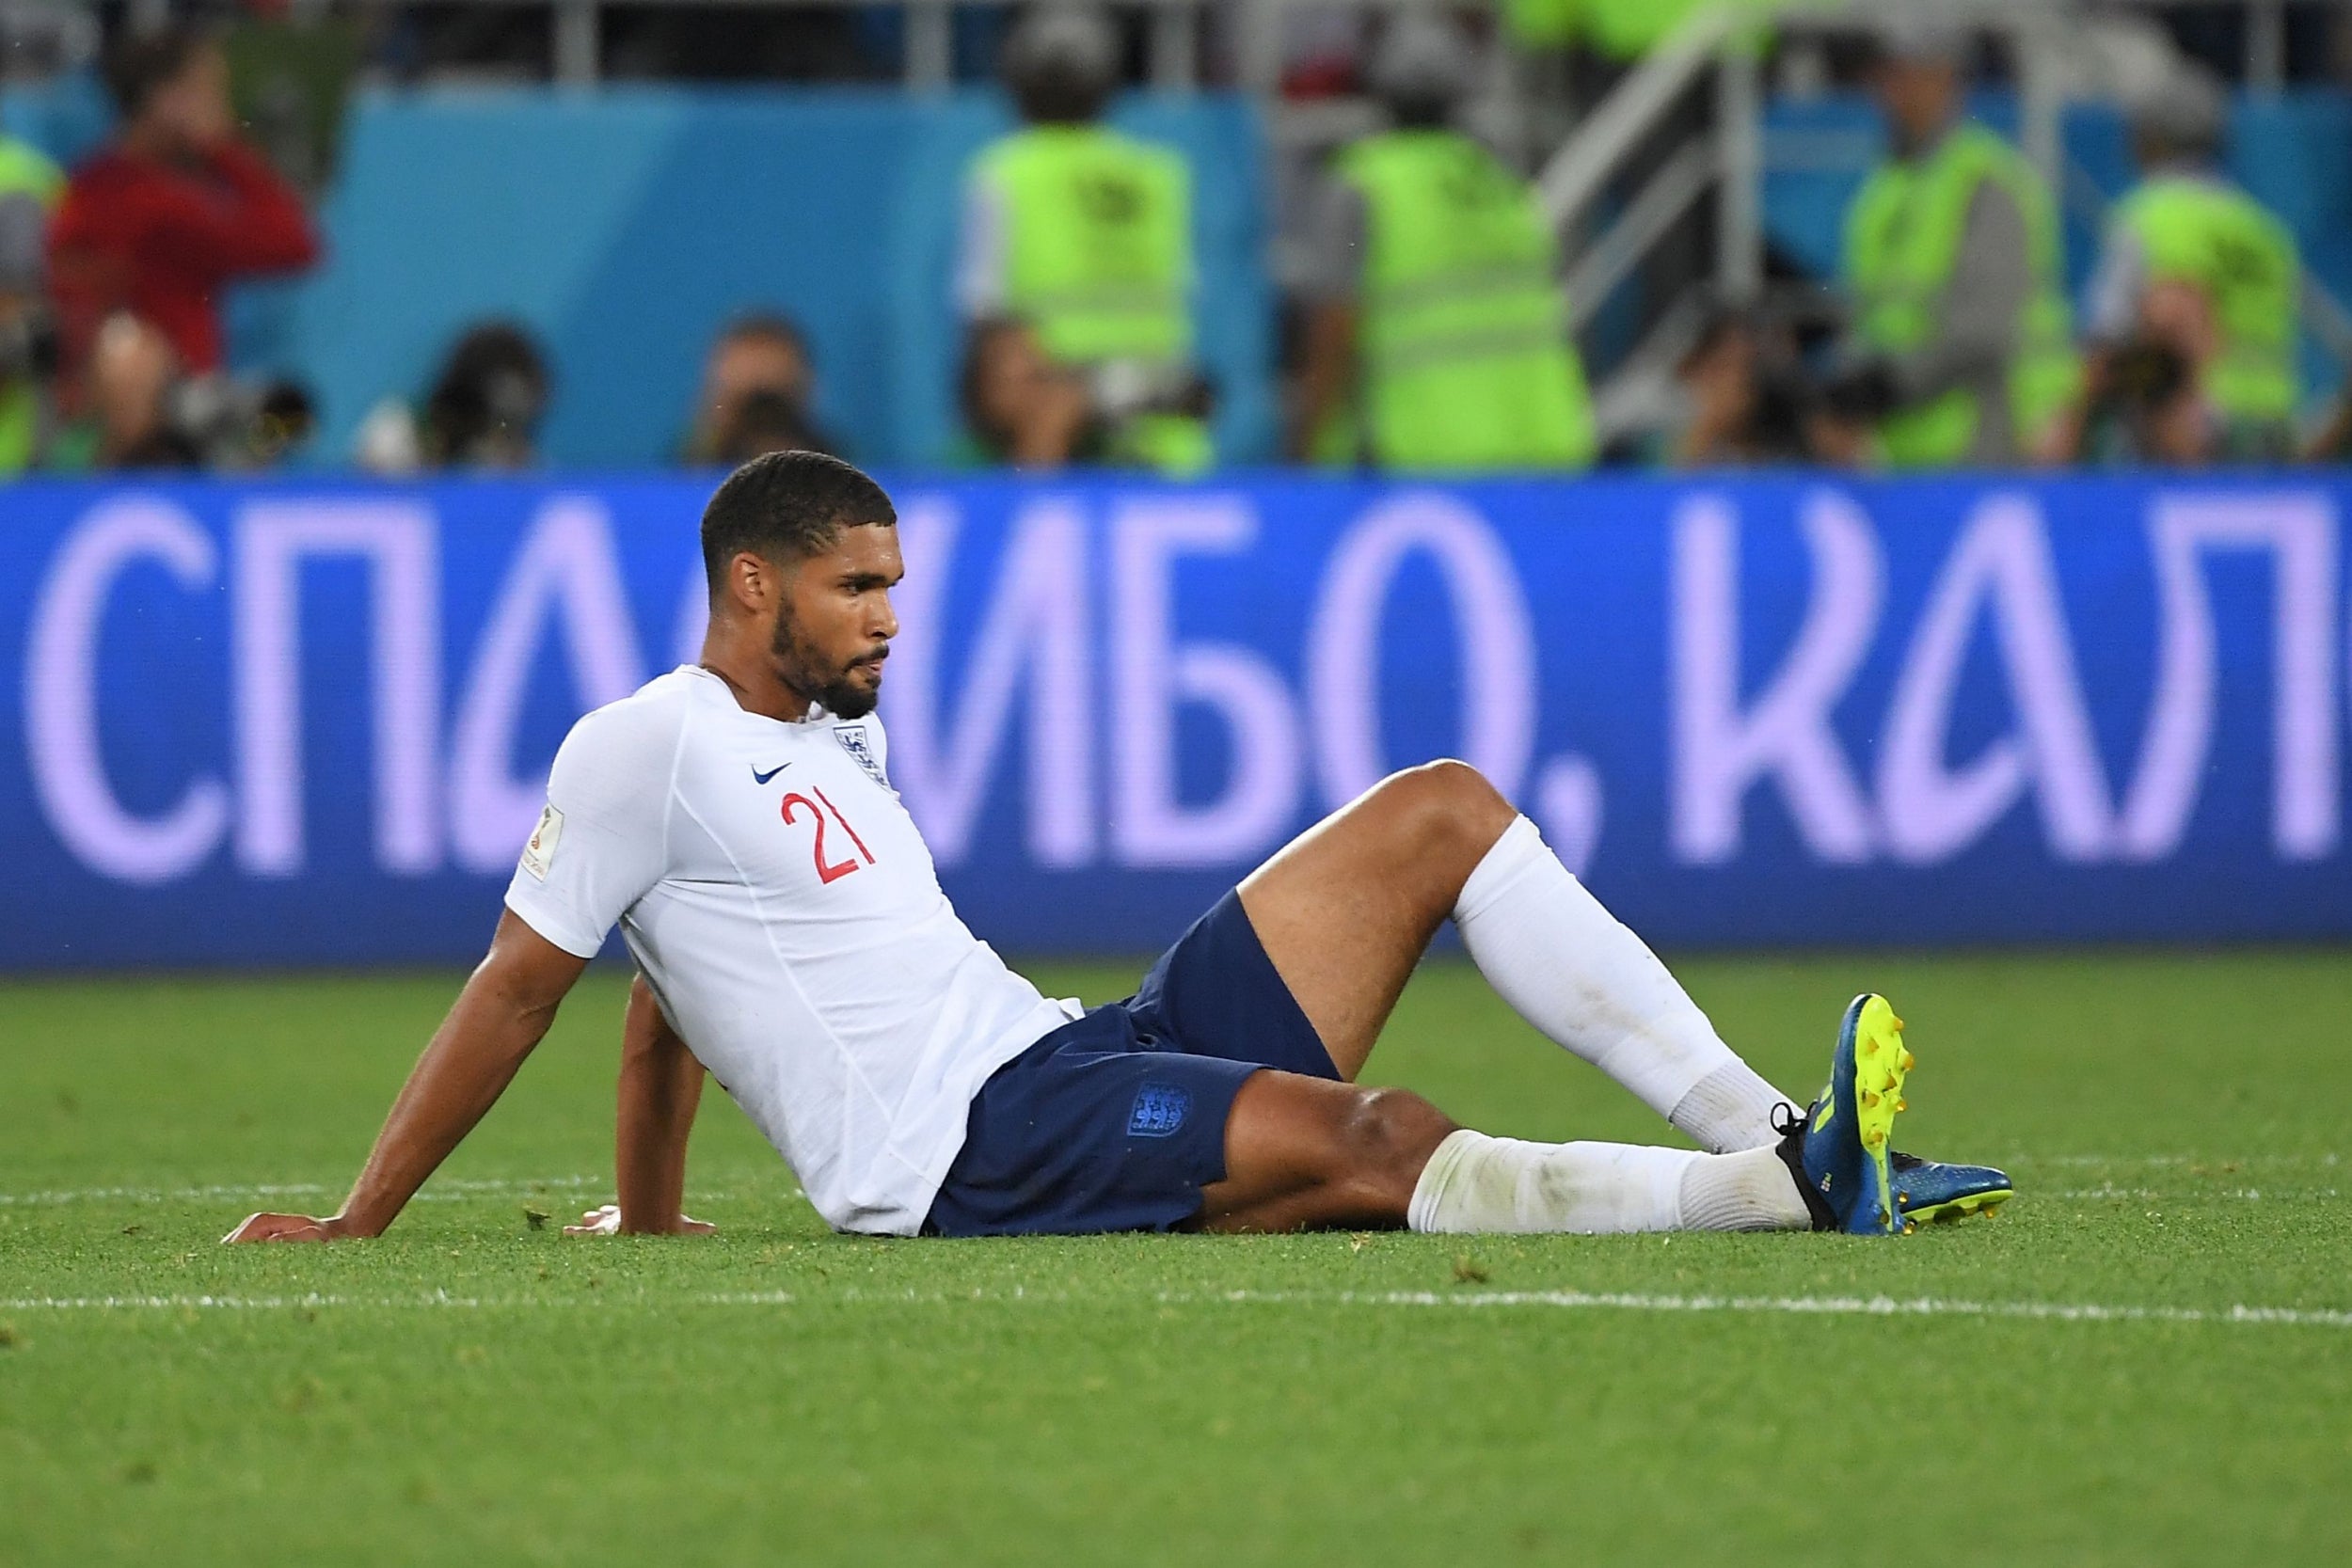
(853, 740)
(1159, 1111)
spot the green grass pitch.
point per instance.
(475, 1390)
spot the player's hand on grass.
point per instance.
(289, 1228)
(605, 1221)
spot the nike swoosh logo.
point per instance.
(758, 777)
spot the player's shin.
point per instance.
(1479, 1185)
(1576, 973)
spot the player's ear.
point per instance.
(754, 582)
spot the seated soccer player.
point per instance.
(735, 819)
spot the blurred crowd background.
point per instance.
(1174, 235)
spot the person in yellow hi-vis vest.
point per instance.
(1437, 337)
(2196, 282)
(1959, 350)
(29, 185)
(1084, 236)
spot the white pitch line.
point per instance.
(2314, 1317)
(2238, 1316)
(2209, 1162)
(2151, 1195)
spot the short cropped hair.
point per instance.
(766, 326)
(787, 506)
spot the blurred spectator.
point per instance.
(1961, 349)
(1436, 336)
(484, 409)
(142, 410)
(28, 189)
(1751, 401)
(756, 392)
(2147, 406)
(1020, 407)
(481, 412)
(173, 209)
(2198, 285)
(133, 368)
(1087, 235)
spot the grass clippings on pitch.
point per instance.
(2147, 1359)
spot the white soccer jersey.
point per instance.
(789, 916)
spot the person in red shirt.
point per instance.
(174, 206)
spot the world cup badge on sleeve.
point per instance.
(539, 854)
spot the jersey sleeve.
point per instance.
(603, 840)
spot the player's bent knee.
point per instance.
(1446, 810)
(1385, 1138)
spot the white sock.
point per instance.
(1575, 972)
(1731, 1109)
(1477, 1184)
(1752, 1190)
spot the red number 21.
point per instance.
(835, 870)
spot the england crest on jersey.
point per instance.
(853, 740)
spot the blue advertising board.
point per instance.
(280, 725)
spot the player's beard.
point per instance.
(806, 671)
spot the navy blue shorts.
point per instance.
(1115, 1121)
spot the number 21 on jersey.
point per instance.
(828, 871)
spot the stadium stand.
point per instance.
(625, 225)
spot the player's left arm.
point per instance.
(500, 1016)
(662, 1084)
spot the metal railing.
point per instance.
(1731, 160)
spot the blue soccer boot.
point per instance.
(1838, 1151)
(1928, 1192)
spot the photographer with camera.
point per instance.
(482, 411)
(1751, 396)
(2147, 403)
(758, 387)
(1086, 235)
(1020, 409)
(2192, 312)
(1437, 336)
(140, 409)
(1960, 350)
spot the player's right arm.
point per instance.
(600, 846)
(503, 1012)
